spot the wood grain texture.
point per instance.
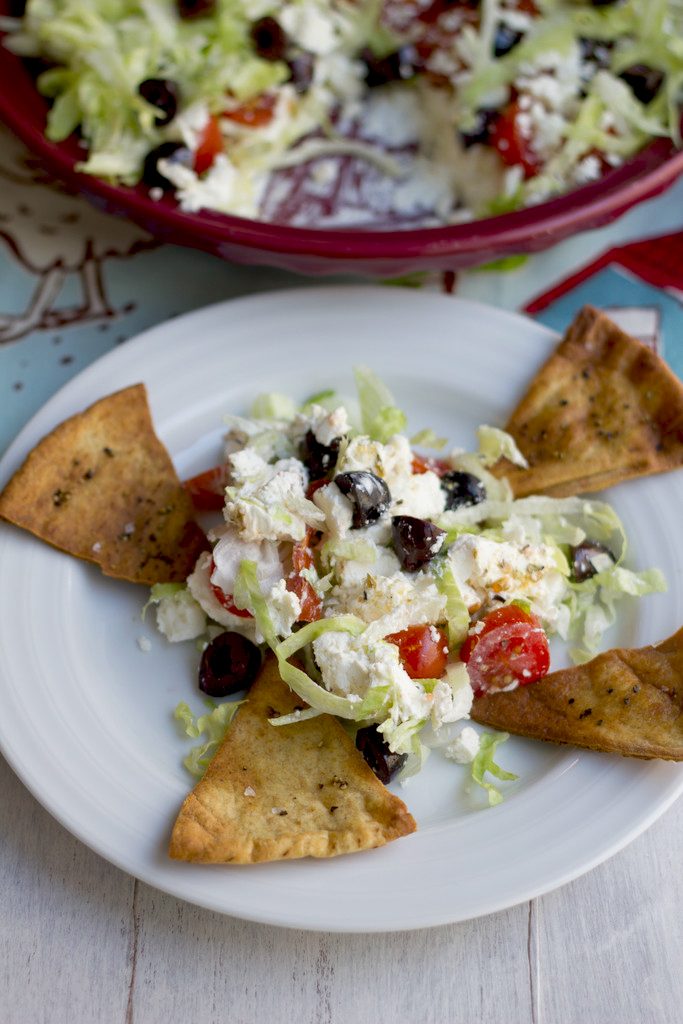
(81, 943)
(461, 973)
(65, 950)
(612, 941)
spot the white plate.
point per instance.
(86, 716)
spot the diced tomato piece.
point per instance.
(511, 648)
(210, 145)
(513, 144)
(425, 464)
(226, 600)
(302, 558)
(315, 485)
(207, 489)
(255, 113)
(423, 651)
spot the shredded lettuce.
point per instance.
(273, 406)
(593, 602)
(214, 725)
(427, 438)
(302, 684)
(349, 550)
(457, 614)
(247, 595)
(380, 416)
(495, 444)
(484, 763)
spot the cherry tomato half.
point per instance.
(207, 489)
(511, 648)
(226, 600)
(423, 651)
(302, 558)
(210, 145)
(425, 464)
(512, 143)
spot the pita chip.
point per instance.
(280, 792)
(625, 701)
(102, 487)
(604, 408)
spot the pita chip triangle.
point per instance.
(280, 792)
(604, 408)
(625, 701)
(101, 486)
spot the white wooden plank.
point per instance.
(192, 963)
(65, 951)
(611, 943)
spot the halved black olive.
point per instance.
(582, 567)
(368, 493)
(462, 489)
(395, 67)
(230, 663)
(173, 151)
(645, 82)
(376, 752)
(481, 129)
(416, 541)
(269, 39)
(505, 39)
(319, 458)
(161, 93)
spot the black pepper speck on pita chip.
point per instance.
(101, 486)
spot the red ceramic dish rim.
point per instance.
(647, 173)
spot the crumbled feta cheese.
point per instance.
(388, 603)
(391, 461)
(284, 608)
(336, 508)
(229, 553)
(464, 747)
(485, 568)
(452, 697)
(180, 617)
(328, 426)
(351, 666)
(191, 123)
(314, 29)
(223, 187)
(269, 501)
(420, 495)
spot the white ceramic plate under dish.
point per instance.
(87, 716)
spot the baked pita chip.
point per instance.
(102, 487)
(604, 408)
(624, 702)
(279, 792)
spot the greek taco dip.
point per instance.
(366, 595)
(352, 112)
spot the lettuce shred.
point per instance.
(214, 725)
(484, 764)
